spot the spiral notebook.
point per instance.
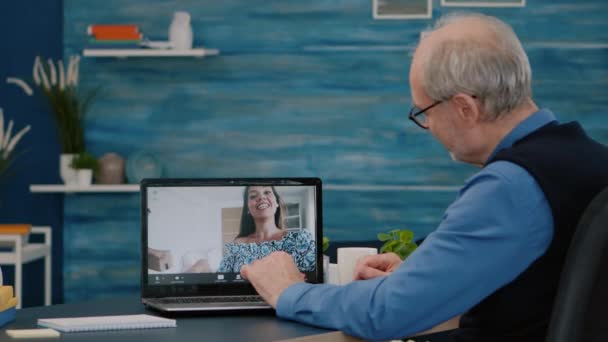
(99, 323)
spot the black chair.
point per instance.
(581, 305)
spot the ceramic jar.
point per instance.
(111, 169)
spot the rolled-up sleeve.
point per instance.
(499, 224)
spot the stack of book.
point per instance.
(14, 228)
(114, 36)
(7, 305)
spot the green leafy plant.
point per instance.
(59, 84)
(400, 242)
(84, 160)
(325, 244)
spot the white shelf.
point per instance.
(22, 251)
(49, 188)
(143, 52)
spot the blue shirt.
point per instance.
(498, 225)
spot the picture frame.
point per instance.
(483, 3)
(402, 9)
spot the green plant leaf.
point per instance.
(325, 244)
(406, 235)
(392, 245)
(398, 241)
(84, 160)
(384, 236)
(401, 251)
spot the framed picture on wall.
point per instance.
(483, 3)
(403, 9)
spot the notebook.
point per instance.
(197, 233)
(99, 323)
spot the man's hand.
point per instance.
(272, 275)
(379, 265)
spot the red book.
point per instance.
(117, 36)
(112, 29)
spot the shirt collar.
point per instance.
(529, 125)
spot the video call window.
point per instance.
(215, 229)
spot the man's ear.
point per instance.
(467, 108)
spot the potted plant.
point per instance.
(8, 144)
(84, 164)
(400, 242)
(59, 84)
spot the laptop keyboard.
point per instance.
(222, 299)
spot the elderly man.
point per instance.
(496, 257)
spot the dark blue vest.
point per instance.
(571, 169)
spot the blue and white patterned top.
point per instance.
(299, 244)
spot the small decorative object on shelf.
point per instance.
(180, 31)
(66, 172)
(111, 169)
(85, 165)
(142, 165)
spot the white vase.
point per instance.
(67, 173)
(180, 31)
(85, 177)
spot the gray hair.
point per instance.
(495, 70)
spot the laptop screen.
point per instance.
(201, 232)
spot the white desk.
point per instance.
(24, 252)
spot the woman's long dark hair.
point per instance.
(247, 223)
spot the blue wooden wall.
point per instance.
(29, 28)
(310, 88)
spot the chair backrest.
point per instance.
(582, 292)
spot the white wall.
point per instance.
(188, 222)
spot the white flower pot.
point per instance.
(67, 173)
(85, 177)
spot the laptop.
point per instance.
(197, 233)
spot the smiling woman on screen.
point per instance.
(263, 231)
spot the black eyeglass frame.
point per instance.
(413, 115)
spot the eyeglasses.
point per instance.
(419, 116)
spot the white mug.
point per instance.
(347, 261)
(332, 275)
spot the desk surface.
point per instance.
(254, 326)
